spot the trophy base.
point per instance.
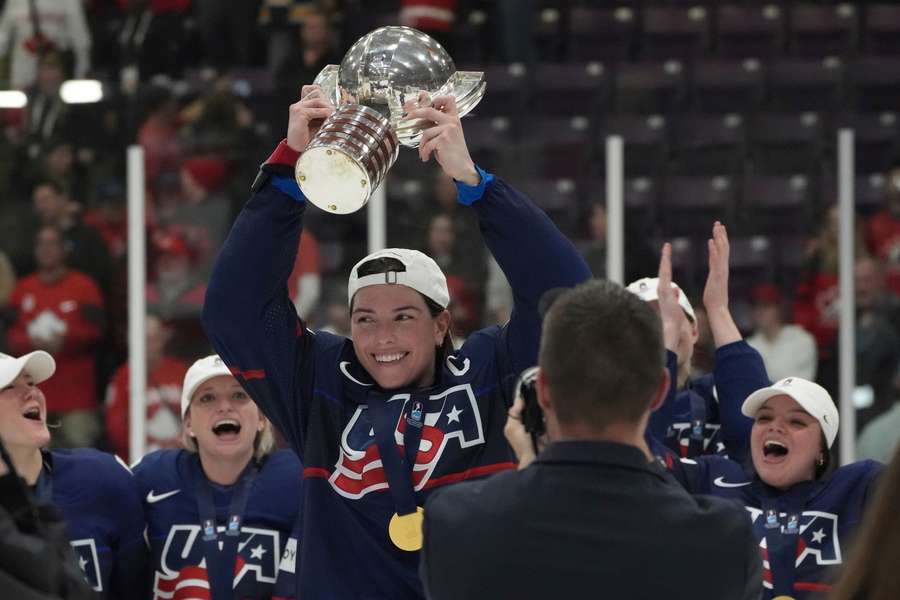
(333, 180)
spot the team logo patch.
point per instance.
(451, 417)
(183, 571)
(86, 553)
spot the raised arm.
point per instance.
(531, 251)
(739, 369)
(248, 315)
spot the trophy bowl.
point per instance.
(388, 67)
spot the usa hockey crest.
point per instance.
(451, 417)
(183, 571)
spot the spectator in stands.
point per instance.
(165, 375)
(47, 117)
(639, 258)
(877, 339)
(218, 123)
(602, 372)
(178, 289)
(59, 164)
(434, 17)
(30, 29)
(150, 40)
(159, 132)
(461, 277)
(881, 436)
(815, 303)
(871, 570)
(231, 21)
(86, 249)
(883, 228)
(61, 310)
(787, 350)
(302, 61)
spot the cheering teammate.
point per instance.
(220, 512)
(384, 417)
(803, 516)
(97, 496)
(703, 416)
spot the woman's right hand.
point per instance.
(306, 116)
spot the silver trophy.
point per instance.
(350, 155)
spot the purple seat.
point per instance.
(556, 147)
(752, 261)
(567, 89)
(651, 87)
(874, 83)
(507, 89)
(640, 197)
(690, 205)
(557, 197)
(772, 203)
(469, 38)
(708, 144)
(754, 30)
(810, 84)
(646, 142)
(869, 191)
(881, 29)
(674, 32)
(491, 142)
(604, 34)
(725, 86)
(822, 30)
(785, 144)
(547, 33)
(876, 139)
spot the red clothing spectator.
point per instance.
(883, 239)
(816, 310)
(69, 310)
(428, 15)
(163, 400)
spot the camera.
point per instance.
(532, 415)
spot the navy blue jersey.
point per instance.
(167, 480)
(804, 531)
(288, 573)
(101, 505)
(312, 387)
(705, 417)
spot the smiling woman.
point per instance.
(803, 513)
(228, 480)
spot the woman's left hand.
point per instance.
(445, 140)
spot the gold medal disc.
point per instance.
(406, 530)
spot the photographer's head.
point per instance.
(602, 364)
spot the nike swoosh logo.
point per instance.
(154, 498)
(720, 481)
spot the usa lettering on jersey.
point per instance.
(817, 539)
(86, 553)
(449, 417)
(684, 430)
(183, 565)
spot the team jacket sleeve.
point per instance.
(661, 418)
(535, 257)
(739, 372)
(248, 315)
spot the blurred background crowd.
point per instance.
(729, 111)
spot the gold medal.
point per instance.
(406, 530)
(783, 598)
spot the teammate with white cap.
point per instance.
(702, 415)
(804, 512)
(96, 493)
(219, 512)
(383, 418)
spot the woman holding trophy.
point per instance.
(385, 417)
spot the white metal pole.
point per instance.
(137, 325)
(377, 223)
(847, 339)
(615, 210)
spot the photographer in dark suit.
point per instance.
(592, 515)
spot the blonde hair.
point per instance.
(263, 443)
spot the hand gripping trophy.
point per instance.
(350, 155)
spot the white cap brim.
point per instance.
(38, 364)
(822, 409)
(200, 372)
